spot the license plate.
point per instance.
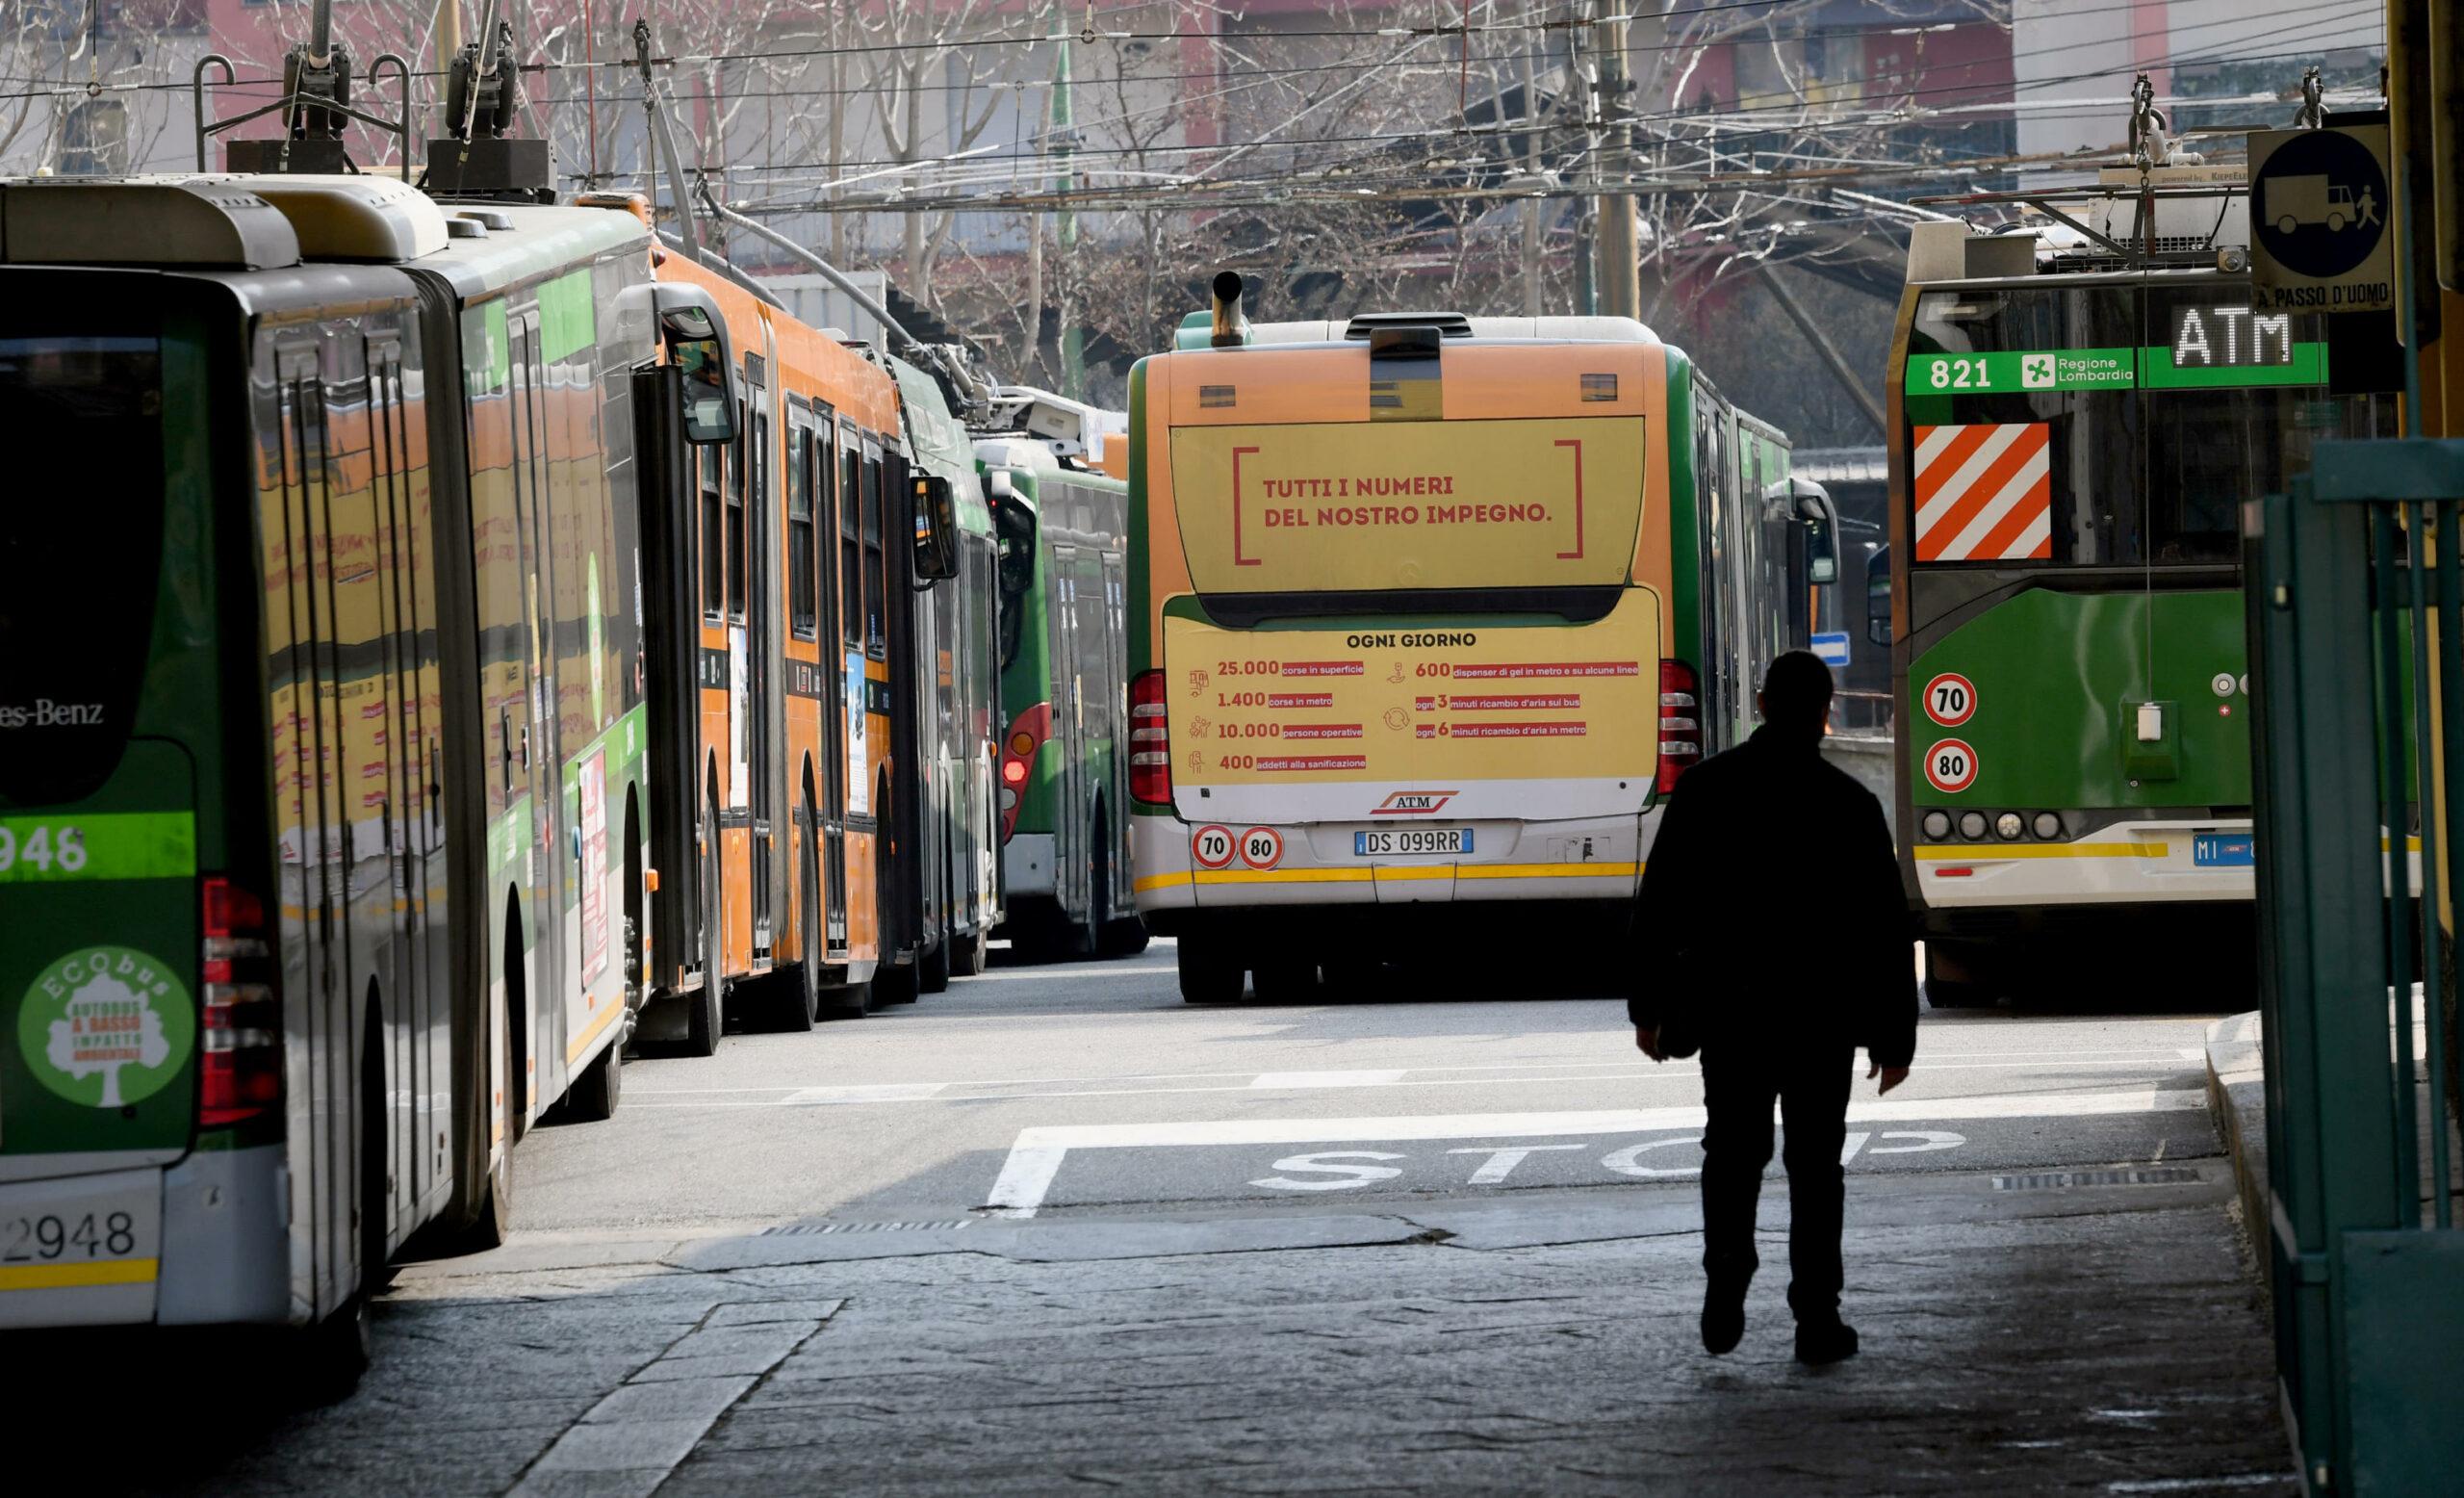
(1386, 841)
(2223, 850)
(80, 1234)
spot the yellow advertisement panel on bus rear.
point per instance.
(1370, 506)
(1447, 708)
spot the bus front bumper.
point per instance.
(1315, 864)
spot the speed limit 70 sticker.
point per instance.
(1211, 846)
(1950, 767)
(1950, 699)
(1262, 847)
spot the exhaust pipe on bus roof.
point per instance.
(1231, 323)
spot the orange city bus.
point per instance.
(1426, 615)
(775, 582)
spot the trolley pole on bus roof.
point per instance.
(1620, 249)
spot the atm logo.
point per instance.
(1412, 803)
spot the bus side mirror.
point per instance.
(937, 529)
(1822, 556)
(697, 346)
(1878, 596)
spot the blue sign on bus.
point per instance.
(1832, 648)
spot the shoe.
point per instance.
(1820, 1342)
(1723, 1317)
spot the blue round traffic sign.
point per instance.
(2321, 205)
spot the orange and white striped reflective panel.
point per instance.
(1984, 493)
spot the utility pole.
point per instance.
(1073, 377)
(1620, 249)
(1534, 10)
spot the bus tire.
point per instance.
(892, 985)
(1956, 976)
(933, 967)
(1287, 981)
(706, 1018)
(968, 952)
(1123, 936)
(1209, 972)
(594, 1095)
(333, 1353)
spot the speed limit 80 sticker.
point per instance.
(1262, 847)
(1950, 767)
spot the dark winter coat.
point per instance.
(1772, 909)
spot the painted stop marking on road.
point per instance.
(1211, 846)
(1950, 767)
(1262, 847)
(1950, 699)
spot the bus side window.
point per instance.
(736, 455)
(799, 595)
(850, 546)
(713, 555)
(876, 636)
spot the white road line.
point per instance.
(1573, 1071)
(1036, 1157)
(875, 1092)
(1327, 1078)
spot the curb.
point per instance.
(2237, 1100)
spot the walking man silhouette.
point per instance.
(2368, 206)
(1773, 892)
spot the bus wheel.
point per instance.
(333, 1353)
(798, 1004)
(1123, 936)
(1210, 972)
(968, 954)
(594, 1095)
(933, 967)
(1956, 975)
(707, 1016)
(1287, 981)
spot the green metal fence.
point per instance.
(2356, 618)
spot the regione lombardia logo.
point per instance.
(106, 1026)
(2036, 372)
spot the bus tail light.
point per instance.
(1150, 742)
(240, 1050)
(1681, 722)
(1017, 759)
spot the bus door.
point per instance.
(535, 738)
(1113, 723)
(755, 705)
(842, 677)
(673, 489)
(1071, 868)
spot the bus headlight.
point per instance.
(2008, 826)
(1938, 825)
(1972, 826)
(2048, 826)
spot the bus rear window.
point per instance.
(81, 558)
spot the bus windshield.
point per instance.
(81, 558)
(2106, 425)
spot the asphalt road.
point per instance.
(1046, 1090)
(1056, 1229)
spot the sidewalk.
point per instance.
(2054, 1331)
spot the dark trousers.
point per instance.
(1740, 1079)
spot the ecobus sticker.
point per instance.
(106, 1026)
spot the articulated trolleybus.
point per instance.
(322, 756)
(1428, 612)
(2075, 423)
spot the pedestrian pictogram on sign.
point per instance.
(1950, 767)
(1984, 493)
(1950, 699)
(2318, 204)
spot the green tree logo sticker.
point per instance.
(107, 1027)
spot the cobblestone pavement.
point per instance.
(2026, 1335)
